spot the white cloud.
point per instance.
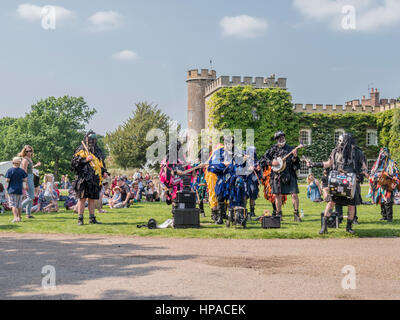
(32, 13)
(105, 20)
(243, 26)
(371, 15)
(125, 55)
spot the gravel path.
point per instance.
(110, 267)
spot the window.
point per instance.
(338, 133)
(304, 170)
(372, 137)
(305, 137)
(370, 165)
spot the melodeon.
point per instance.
(342, 184)
(387, 181)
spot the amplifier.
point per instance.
(185, 200)
(271, 222)
(186, 218)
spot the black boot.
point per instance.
(252, 211)
(214, 214)
(224, 211)
(383, 212)
(349, 225)
(389, 211)
(92, 220)
(274, 210)
(280, 215)
(220, 214)
(297, 216)
(201, 206)
(80, 220)
(324, 227)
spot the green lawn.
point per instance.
(124, 221)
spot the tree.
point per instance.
(127, 145)
(54, 128)
(394, 143)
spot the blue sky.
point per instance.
(117, 53)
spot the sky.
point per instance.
(121, 52)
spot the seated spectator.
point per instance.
(314, 189)
(105, 193)
(3, 197)
(116, 198)
(135, 192)
(125, 194)
(71, 201)
(50, 194)
(151, 193)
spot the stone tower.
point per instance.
(197, 82)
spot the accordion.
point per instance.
(387, 182)
(342, 184)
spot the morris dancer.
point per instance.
(283, 183)
(88, 164)
(218, 177)
(200, 184)
(346, 157)
(268, 195)
(252, 180)
(384, 180)
(171, 170)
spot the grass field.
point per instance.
(124, 221)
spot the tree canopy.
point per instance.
(127, 144)
(54, 128)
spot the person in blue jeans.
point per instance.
(27, 165)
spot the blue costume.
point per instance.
(252, 179)
(230, 185)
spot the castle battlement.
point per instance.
(349, 108)
(256, 82)
(205, 74)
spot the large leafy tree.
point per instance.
(54, 128)
(127, 144)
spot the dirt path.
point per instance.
(100, 267)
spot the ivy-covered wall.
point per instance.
(270, 110)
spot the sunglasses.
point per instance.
(28, 150)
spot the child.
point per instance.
(15, 178)
(50, 194)
(116, 198)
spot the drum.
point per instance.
(342, 184)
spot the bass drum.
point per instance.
(342, 184)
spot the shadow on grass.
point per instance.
(9, 227)
(377, 233)
(77, 261)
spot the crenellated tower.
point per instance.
(197, 83)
